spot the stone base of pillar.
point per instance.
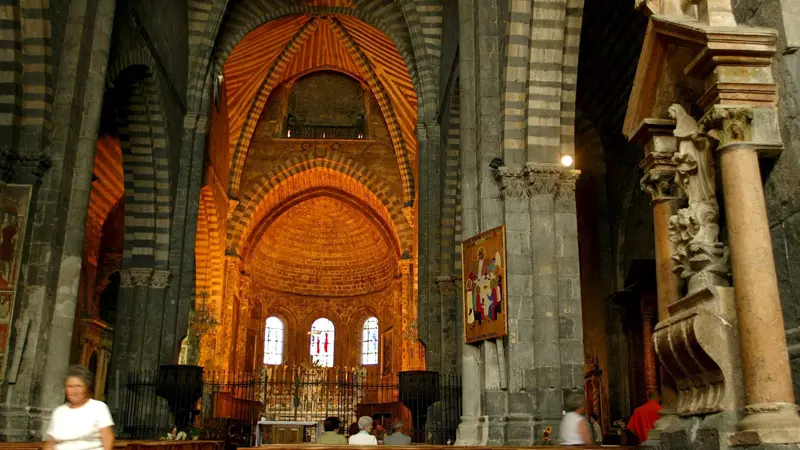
(542, 422)
(15, 423)
(774, 423)
(668, 417)
(520, 430)
(471, 431)
(680, 434)
(715, 429)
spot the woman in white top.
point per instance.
(363, 437)
(574, 429)
(81, 423)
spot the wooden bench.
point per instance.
(422, 447)
(127, 445)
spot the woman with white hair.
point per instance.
(574, 429)
(363, 437)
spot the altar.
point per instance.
(287, 432)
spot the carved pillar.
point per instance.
(698, 327)
(140, 279)
(770, 412)
(657, 139)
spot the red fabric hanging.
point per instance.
(317, 345)
(326, 342)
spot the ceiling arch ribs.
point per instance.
(352, 177)
(340, 42)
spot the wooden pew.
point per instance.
(422, 447)
(128, 445)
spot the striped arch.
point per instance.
(209, 250)
(278, 73)
(27, 74)
(309, 172)
(241, 21)
(145, 160)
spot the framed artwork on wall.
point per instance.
(14, 204)
(483, 266)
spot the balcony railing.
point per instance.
(324, 132)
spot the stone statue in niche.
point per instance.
(697, 254)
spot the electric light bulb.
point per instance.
(566, 160)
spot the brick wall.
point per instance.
(327, 98)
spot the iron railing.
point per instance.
(324, 132)
(226, 406)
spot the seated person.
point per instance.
(363, 437)
(397, 437)
(331, 435)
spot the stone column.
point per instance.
(650, 378)
(546, 383)
(160, 321)
(770, 413)
(233, 271)
(88, 28)
(138, 332)
(244, 319)
(657, 139)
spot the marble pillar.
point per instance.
(225, 333)
(770, 413)
(650, 377)
(657, 139)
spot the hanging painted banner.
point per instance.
(483, 267)
(14, 202)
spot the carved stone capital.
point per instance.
(566, 184)
(432, 130)
(553, 179)
(542, 178)
(161, 279)
(727, 125)
(422, 133)
(135, 277)
(512, 182)
(659, 176)
(405, 267)
(447, 285)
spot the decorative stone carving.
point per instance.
(512, 182)
(727, 125)
(432, 130)
(136, 277)
(232, 204)
(566, 184)
(698, 346)
(698, 256)
(447, 285)
(161, 279)
(542, 178)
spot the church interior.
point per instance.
(286, 194)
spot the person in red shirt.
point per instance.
(645, 416)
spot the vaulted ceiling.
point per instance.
(291, 46)
(323, 245)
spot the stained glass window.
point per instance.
(273, 341)
(321, 348)
(369, 342)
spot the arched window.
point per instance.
(369, 342)
(321, 349)
(273, 341)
